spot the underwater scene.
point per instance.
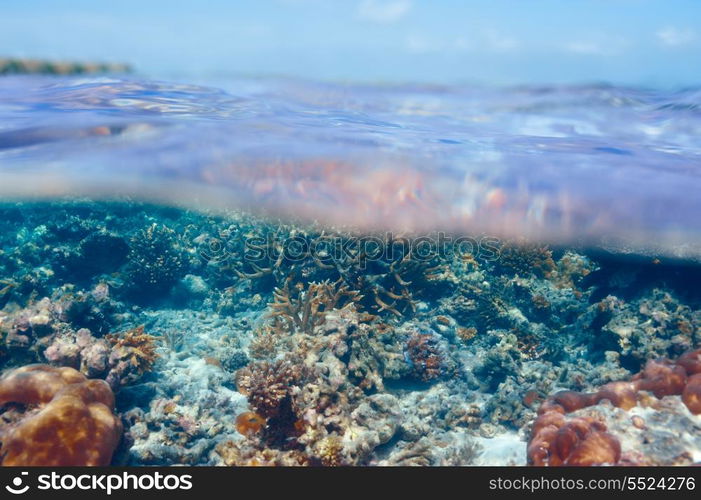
(271, 271)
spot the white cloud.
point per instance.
(586, 47)
(675, 37)
(463, 44)
(383, 11)
(499, 42)
(417, 44)
(598, 45)
(488, 40)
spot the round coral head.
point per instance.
(249, 423)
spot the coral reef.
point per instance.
(267, 385)
(133, 353)
(578, 441)
(267, 345)
(555, 440)
(526, 259)
(425, 356)
(652, 326)
(120, 359)
(249, 423)
(156, 261)
(304, 310)
(59, 418)
(313, 414)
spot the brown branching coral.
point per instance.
(410, 268)
(303, 310)
(259, 272)
(388, 273)
(6, 286)
(139, 348)
(133, 353)
(527, 259)
(393, 291)
(313, 413)
(329, 450)
(264, 342)
(68, 419)
(267, 385)
(403, 300)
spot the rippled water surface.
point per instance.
(597, 164)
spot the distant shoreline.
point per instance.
(21, 66)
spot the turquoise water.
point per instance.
(285, 272)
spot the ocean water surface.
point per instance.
(284, 272)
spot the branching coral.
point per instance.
(267, 385)
(303, 310)
(388, 300)
(173, 339)
(264, 342)
(133, 354)
(526, 259)
(156, 260)
(390, 273)
(140, 346)
(68, 419)
(313, 413)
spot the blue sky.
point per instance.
(639, 42)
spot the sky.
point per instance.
(631, 42)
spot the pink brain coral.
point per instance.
(559, 440)
(69, 419)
